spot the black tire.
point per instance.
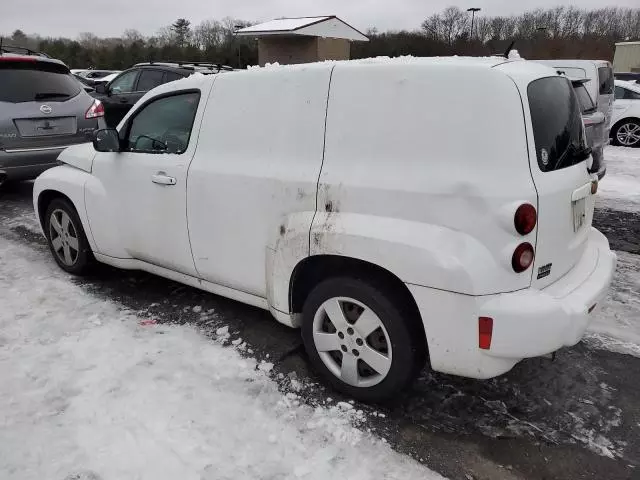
(83, 259)
(618, 127)
(405, 332)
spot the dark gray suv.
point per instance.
(43, 110)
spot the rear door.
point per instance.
(559, 171)
(41, 105)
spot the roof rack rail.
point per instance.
(4, 48)
(187, 64)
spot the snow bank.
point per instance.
(616, 326)
(620, 188)
(91, 391)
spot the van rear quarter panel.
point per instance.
(424, 168)
(252, 183)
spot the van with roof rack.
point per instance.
(119, 94)
(392, 213)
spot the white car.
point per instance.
(381, 205)
(625, 128)
(106, 79)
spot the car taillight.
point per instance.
(17, 59)
(525, 219)
(522, 257)
(95, 110)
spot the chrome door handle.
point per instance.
(162, 179)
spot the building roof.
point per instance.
(627, 43)
(326, 26)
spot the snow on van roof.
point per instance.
(197, 80)
(486, 62)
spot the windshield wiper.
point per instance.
(40, 96)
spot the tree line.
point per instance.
(542, 33)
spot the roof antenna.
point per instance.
(509, 48)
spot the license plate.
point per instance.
(579, 213)
(29, 127)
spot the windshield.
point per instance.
(27, 82)
(557, 125)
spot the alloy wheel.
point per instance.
(628, 134)
(352, 342)
(64, 237)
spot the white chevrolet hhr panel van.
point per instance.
(383, 206)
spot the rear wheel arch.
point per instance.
(315, 269)
(623, 120)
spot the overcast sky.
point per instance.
(111, 17)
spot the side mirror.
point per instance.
(106, 140)
(101, 88)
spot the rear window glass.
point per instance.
(586, 104)
(557, 125)
(605, 76)
(27, 82)
(172, 76)
(149, 79)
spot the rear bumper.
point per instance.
(24, 165)
(526, 323)
(531, 322)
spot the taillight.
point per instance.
(95, 110)
(17, 59)
(522, 257)
(525, 219)
(485, 332)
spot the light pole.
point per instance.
(473, 16)
(236, 28)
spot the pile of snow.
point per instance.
(92, 391)
(620, 188)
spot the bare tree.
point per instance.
(448, 26)
(89, 40)
(131, 36)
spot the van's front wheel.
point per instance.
(359, 340)
(67, 240)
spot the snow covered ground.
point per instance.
(89, 391)
(620, 188)
(616, 326)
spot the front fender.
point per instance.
(70, 182)
(418, 253)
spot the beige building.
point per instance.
(303, 40)
(627, 58)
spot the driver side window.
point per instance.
(164, 125)
(124, 83)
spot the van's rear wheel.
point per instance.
(66, 237)
(627, 133)
(360, 340)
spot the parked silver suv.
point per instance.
(43, 110)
